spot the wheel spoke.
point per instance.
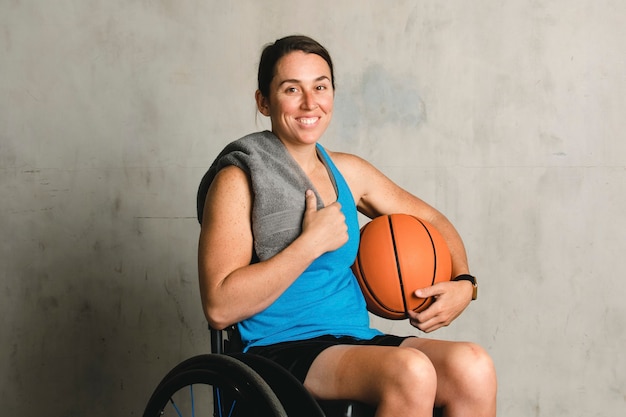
(175, 407)
(193, 408)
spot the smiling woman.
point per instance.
(300, 100)
(279, 235)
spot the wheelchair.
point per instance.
(229, 383)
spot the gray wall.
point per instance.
(507, 116)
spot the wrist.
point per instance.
(472, 280)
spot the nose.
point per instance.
(308, 100)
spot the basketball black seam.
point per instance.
(434, 254)
(432, 242)
(400, 279)
(371, 291)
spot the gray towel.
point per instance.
(278, 187)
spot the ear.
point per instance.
(262, 103)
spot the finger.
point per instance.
(432, 291)
(310, 201)
(418, 319)
(427, 315)
(426, 292)
(426, 326)
(419, 325)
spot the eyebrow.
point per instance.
(295, 81)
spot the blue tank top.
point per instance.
(325, 299)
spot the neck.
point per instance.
(305, 155)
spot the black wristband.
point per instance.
(465, 277)
(470, 278)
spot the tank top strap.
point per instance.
(344, 195)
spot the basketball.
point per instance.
(398, 254)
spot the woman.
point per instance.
(279, 233)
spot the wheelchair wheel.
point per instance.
(213, 385)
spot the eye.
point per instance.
(321, 87)
(291, 90)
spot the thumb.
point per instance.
(426, 292)
(310, 201)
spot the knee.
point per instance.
(474, 367)
(406, 369)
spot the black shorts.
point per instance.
(298, 356)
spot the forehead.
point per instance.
(301, 66)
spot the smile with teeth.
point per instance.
(308, 120)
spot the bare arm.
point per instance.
(376, 195)
(231, 288)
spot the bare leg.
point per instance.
(400, 381)
(466, 377)
(409, 380)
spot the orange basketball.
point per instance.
(398, 254)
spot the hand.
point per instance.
(451, 298)
(326, 227)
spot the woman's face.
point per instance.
(300, 103)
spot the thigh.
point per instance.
(437, 350)
(359, 372)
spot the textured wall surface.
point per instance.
(507, 116)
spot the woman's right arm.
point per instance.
(231, 288)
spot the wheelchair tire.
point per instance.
(242, 392)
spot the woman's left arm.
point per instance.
(376, 195)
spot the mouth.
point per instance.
(308, 121)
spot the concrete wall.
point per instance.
(507, 116)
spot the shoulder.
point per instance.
(373, 192)
(228, 194)
(230, 177)
(230, 186)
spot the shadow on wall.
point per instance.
(377, 99)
